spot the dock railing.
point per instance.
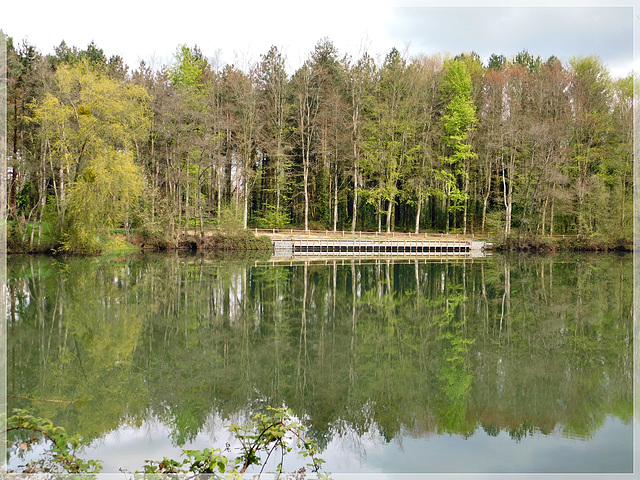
(290, 232)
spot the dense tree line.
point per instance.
(518, 146)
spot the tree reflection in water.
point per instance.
(524, 345)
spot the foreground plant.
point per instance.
(62, 453)
(271, 434)
(268, 434)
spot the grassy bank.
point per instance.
(221, 241)
(120, 242)
(563, 244)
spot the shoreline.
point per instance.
(263, 240)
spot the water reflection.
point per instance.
(527, 349)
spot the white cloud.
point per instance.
(563, 31)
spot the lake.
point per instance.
(503, 364)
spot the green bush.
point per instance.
(272, 433)
(272, 219)
(25, 431)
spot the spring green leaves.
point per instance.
(267, 435)
(62, 455)
(91, 126)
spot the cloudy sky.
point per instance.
(238, 31)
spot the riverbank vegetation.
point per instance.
(520, 148)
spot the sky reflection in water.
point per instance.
(609, 451)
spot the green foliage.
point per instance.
(496, 62)
(228, 221)
(592, 83)
(26, 198)
(187, 72)
(275, 431)
(26, 430)
(77, 238)
(113, 245)
(458, 120)
(93, 54)
(91, 125)
(101, 198)
(542, 146)
(207, 461)
(274, 219)
(528, 61)
(390, 143)
(238, 240)
(459, 115)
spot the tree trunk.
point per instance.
(335, 201)
(447, 213)
(186, 203)
(389, 214)
(508, 199)
(306, 195)
(246, 204)
(466, 203)
(355, 193)
(544, 215)
(485, 200)
(551, 219)
(219, 174)
(179, 206)
(278, 183)
(200, 214)
(418, 212)
(154, 182)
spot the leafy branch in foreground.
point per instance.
(268, 434)
(61, 456)
(274, 433)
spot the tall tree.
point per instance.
(90, 125)
(360, 78)
(618, 175)
(243, 105)
(307, 102)
(329, 78)
(421, 183)
(590, 90)
(275, 111)
(458, 120)
(23, 86)
(390, 144)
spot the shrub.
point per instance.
(62, 455)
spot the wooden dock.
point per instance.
(355, 247)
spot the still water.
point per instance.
(501, 364)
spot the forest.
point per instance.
(517, 147)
